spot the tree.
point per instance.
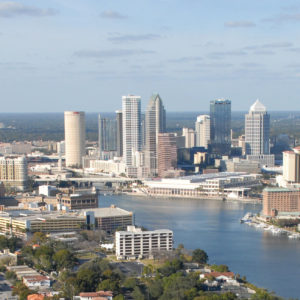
(64, 259)
(119, 297)
(200, 256)
(220, 268)
(137, 294)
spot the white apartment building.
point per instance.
(74, 138)
(13, 172)
(202, 129)
(257, 134)
(135, 243)
(189, 135)
(131, 108)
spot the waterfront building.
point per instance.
(13, 172)
(135, 243)
(202, 128)
(107, 135)
(119, 119)
(281, 202)
(291, 165)
(220, 126)
(131, 107)
(21, 221)
(189, 136)
(215, 184)
(74, 138)
(257, 135)
(109, 219)
(167, 153)
(155, 124)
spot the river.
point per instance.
(268, 261)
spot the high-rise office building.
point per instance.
(257, 134)
(167, 153)
(220, 125)
(202, 128)
(74, 138)
(107, 135)
(119, 118)
(155, 124)
(189, 137)
(131, 107)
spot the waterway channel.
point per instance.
(267, 260)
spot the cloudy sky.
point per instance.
(85, 54)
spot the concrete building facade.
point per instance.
(190, 137)
(135, 243)
(202, 129)
(291, 165)
(13, 172)
(167, 153)
(278, 201)
(74, 138)
(131, 107)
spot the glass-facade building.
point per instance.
(220, 126)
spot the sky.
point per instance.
(85, 54)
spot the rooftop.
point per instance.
(111, 211)
(258, 107)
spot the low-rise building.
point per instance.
(78, 201)
(101, 295)
(215, 184)
(281, 201)
(37, 281)
(109, 218)
(135, 243)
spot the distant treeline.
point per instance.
(50, 126)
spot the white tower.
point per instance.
(131, 107)
(74, 138)
(257, 134)
(202, 128)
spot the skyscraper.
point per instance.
(119, 118)
(202, 128)
(220, 125)
(107, 135)
(74, 138)
(257, 134)
(189, 137)
(155, 124)
(167, 153)
(131, 107)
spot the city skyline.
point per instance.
(72, 55)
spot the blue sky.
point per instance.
(85, 54)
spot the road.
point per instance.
(5, 289)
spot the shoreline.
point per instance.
(204, 197)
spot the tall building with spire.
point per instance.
(257, 134)
(155, 124)
(131, 117)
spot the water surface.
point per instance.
(269, 261)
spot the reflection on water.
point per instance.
(269, 261)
